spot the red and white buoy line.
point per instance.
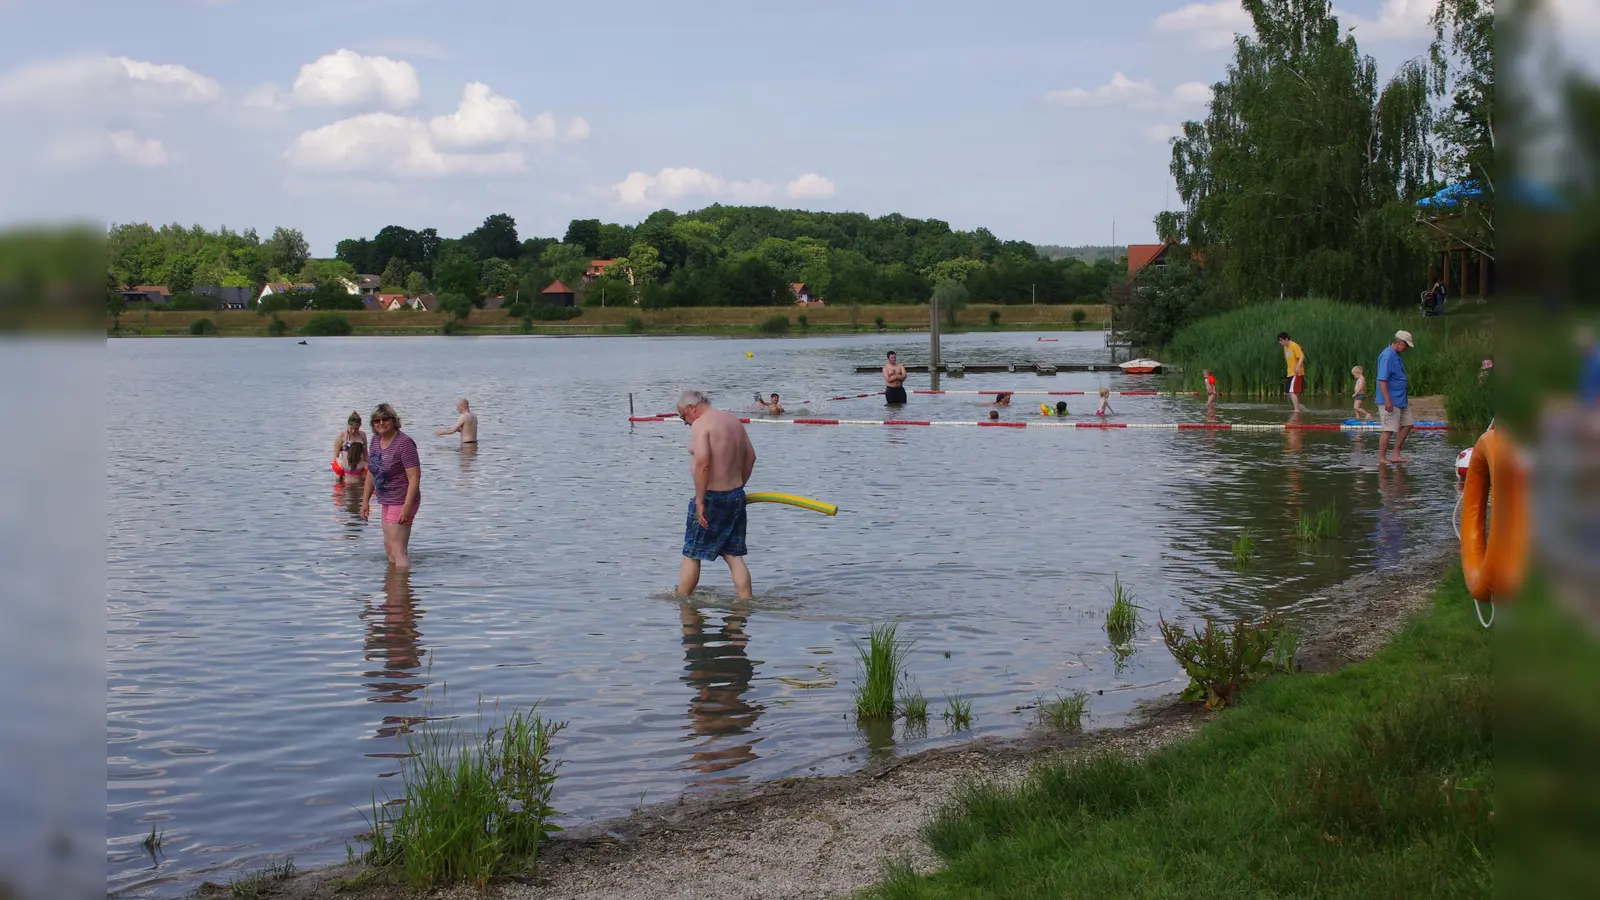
(798, 403)
(993, 423)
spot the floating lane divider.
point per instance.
(826, 509)
(1056, 393)
(1137, 426)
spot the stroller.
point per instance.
(1432, 302)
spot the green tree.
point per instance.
(952, 298)
(958, 270)
(585, 234)
(456, 273)
(395, 275)
(286, 250)
(1301, 178)
(495, 238)
(499, 278)
(415, 285)
(324, 271)
(456, 306)
(566, 263)
(333, 294)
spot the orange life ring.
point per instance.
(1494, 555)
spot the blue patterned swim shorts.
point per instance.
(725, 514)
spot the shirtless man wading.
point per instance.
(723, 459)
(467, 424)
(894, 380)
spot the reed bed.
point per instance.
(1065, 712)
(958, 712)
(1122, 619)
(1319, 525)
(882, 660)
(1241, 348)
(1244, 548)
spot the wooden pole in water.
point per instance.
(933, 344)
(630, 405)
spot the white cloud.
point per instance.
(94, 148)
(1208, 25)
(484, 117)
(390, 144)
(1161, 132)
(1124, 91)
(402, 46)
(115, 79)
(1192, 93)
(1397, 20)
(810, 185)
(346, 78)
(644, 189)
(1120, 90)
(268, 97)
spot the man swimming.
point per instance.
(722, 460)
(467, 425)
(894, 381)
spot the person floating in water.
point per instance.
(1002, 399)
(994, 415)
(1061, 407)
(773, 407)
(1104, 409)
(723, 459)
(1360, 393)
(467, 424)
(894, 381)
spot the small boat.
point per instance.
(1141, 366)
(1049, 340)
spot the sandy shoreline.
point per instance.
(829, 837)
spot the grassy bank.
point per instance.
(614, 320)
(1373, 781)
(1241, 347)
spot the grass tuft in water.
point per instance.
(260, 882)
(475, 806)
(882, 660)
(1284, 649)
(1122, 620)
(958, 711)
(153, 840)
(1317, 526)
(1065, 712)
(1244, 548)
(915, 706)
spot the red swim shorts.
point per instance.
(391, 514)
(1295, 384)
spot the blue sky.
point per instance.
(1042, 121)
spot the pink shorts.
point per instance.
(391, 514)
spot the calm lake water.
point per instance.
(264, 669)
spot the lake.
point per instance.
(264, 669)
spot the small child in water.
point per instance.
(1105, 403)
(351, 464)
(1211, 385)
(773, 407)
(1002, 399)
(1360, 393)
(1061, 407)
(994, 415)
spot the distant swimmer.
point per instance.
(1002, 399)
(994, 415)
(722, 460)
(467, 424)
(773, 407)
(894, 381)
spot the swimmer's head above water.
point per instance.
(994, 414)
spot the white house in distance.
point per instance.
(282, 287)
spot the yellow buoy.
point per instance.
(749, 355)
(826, 509)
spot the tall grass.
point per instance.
(1319, 525)
(1244, 548)
(1241, 347)
(1065, 712)
(958, 712)
(475, 806)
(882, 659)
(1122, 619)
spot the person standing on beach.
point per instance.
(1395, 413)
(894, 381)
(394, 476)
(722, 460)
(1295, 360)
(467, 425)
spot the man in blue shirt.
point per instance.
(1393, 404)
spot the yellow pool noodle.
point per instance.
(826, 509)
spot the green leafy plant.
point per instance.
(634, 325)
(202, 326)
(1078, 316)
(154, 840)
(277, 327)
(1244, 548)
(879, 322)
(474, 806)
(1065, 712)
(1122, 619)
(327, 324)
(805, 323)
(260, 882)
(994, 318)
(914, 707)
(1220, 661)
(882, 660)
(1320, 525)
(775, 325)
(957, 712)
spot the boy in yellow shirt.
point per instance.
(1295, 360)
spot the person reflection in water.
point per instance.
(395, 644)
(719, 671)
(1391, 533)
